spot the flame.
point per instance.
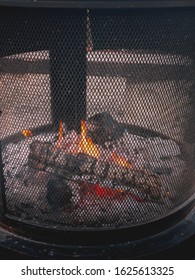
(120, 160)
(86, 144)
(27, 133)
(60, 131)
(60, 135)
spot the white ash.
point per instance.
(14, 157)
(132, 142)
(70, 142)
(75, 192)
(139, 161)
(32, 189)
(158, 154)
(105, 154)
(45, 137)
(159, 148)
(171, 165)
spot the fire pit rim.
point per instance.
(99, 4)
(167, 239)
(102, 235)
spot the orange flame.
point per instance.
(86, 144)
(60, 135)
(120, 161)
(60, 131)
(27, 133)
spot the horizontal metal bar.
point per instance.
(99, 4)
(101, 69)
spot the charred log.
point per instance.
(103, 128)
(43, 156)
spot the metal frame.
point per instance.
(99, 4)
(69, 95)
(98, 236)
(173, 236)
(2, 189)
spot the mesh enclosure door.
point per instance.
(97, 115)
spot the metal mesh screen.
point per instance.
(97, 110)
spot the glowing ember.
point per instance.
(88, 189)
(27, 133)
(120, 161)
(86, 145)
(106, 192)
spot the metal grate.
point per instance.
(97, 110)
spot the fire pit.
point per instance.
(97, 115)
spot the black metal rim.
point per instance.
(99, 4)
(173, 236)
(100, 236)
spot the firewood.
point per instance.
(53, 170)
(44, 156)
(100, 169)
(35, 149)
(116, 172)
(61, 159)
(52, 154)
(86, 163)
(40, 151)
(102, 128)
(129, 176)
(36, 164)
(140, 178)
(153, 183)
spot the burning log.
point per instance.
(102, 128)
(36, 164)
(86, 163)
(101, 169)
(129, 176)
(116, 172)
(41, 151)
(43, 156)
(60, 159)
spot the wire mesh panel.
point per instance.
(97, 110)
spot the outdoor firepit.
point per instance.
(97, 116)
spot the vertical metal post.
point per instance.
(68, 70)
(2, 189)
